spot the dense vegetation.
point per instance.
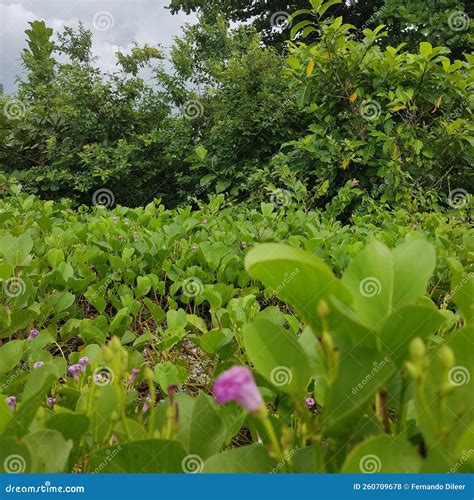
(263, 261)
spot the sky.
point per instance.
(115, 25)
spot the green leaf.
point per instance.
(403, 325)
(50, 449)
(385, 455)
(147, 456)
(277, 355)
(357, 377)
(70, 425)
(10, 354)
(208, 432)
(382, 281)
(245, 460)
(297, 277)
(15, 456)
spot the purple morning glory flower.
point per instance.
(11, 402)
(134, 375)
(147, 404)
(38, 364)
(51, 402)
(83, 363)
(237, 384)
(74, 370)
(33, 334)
(310, 403)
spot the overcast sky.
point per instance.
(115, 25)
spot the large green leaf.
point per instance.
(403, 325)
(385, 455)
(148, 456)
(296, 276)
(277, 355)
(382, 281)
(357, 377)
(50, 449)
(245, 460)
(70, 425)
(16, 456)
(10, 354)
(207, 432)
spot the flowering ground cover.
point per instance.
(265, 339)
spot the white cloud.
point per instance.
(144, 21)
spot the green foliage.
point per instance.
(375, 342)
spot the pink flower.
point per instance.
(310, 403)
(74, 370)
(11, 402)
(38, 364)
(51, 402)
(83, 363)
(237, 384)
(33, 334)
(147, 404)
(134, 375)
